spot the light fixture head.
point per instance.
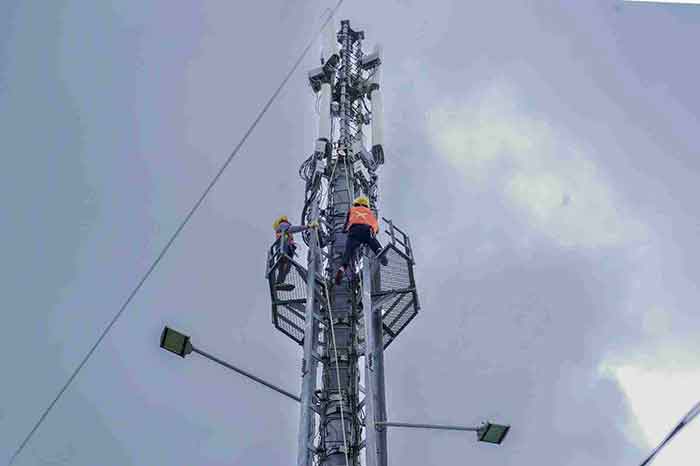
(175, 342)
(492, 433)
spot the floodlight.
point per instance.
(492, 433)
(175, 342)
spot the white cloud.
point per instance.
(659, 398)
(541, 172)
(656, 322)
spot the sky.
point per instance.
(543, 157)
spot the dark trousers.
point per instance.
(285, 266)
(357, 236)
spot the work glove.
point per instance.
(313, 224)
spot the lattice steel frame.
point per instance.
(340, 169)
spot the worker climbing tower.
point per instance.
(343, 328)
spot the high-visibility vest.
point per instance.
(361, 215)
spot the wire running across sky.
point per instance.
(683, 422)
(177, 232)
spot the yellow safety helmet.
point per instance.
(362, 200)
(280, 219)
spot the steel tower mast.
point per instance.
(338, 325)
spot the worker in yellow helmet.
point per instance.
(362, 228)
(285, 229)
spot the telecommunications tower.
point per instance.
(340, 325)
(343, 328)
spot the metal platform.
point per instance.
(393, 286)
(288, 307)
(393, 289)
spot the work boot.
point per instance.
(384, 260)
(284, 287)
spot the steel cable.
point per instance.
(175, 235)
(686, 419)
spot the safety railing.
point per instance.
(394, 286)
(287, 280)
(402, 242)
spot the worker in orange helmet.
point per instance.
(362, 228)
(285, 229)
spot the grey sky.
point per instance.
(544, 159)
